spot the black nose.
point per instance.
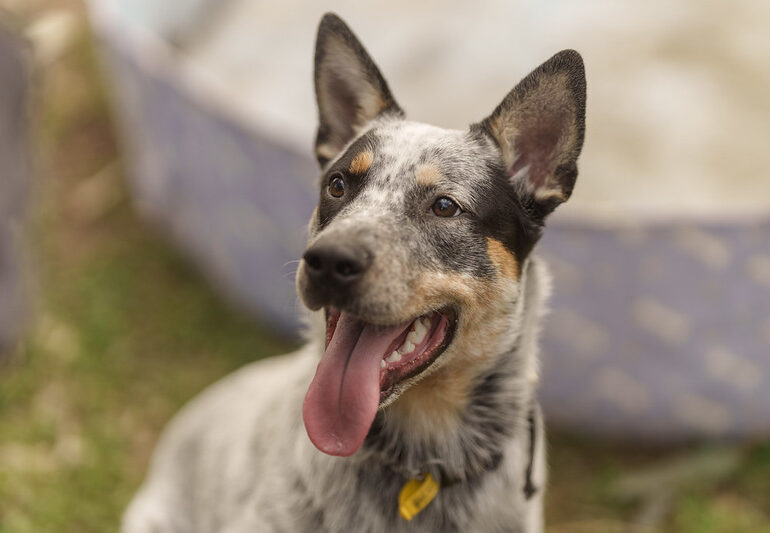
(336, 263)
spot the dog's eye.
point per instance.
(337, 185)
(445, 207)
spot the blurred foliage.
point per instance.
(127, 331)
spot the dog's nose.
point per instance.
(336, 263)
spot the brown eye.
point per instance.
(337, 185)
(445, 207)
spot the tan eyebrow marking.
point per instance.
(504, 260)
(362, 162)
(427, 174)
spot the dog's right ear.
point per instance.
(349, 88)
(539, 129)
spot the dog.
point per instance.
(416, 388)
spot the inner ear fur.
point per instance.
(350, 90)
(539, 127)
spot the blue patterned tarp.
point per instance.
(237, 201)
(661, 330)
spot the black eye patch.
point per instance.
(345, 178)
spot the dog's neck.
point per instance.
(497, 409)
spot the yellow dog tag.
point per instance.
(415, 496)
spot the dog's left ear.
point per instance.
(349, 88)
(539, 129)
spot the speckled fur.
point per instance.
(237, 458)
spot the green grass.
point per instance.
(121, 342)
(126, 331)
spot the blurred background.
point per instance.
(156, 177)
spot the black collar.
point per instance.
(446, 480)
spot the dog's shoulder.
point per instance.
(212, 447)
(248, 393)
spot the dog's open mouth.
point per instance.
(360, 368)
(412, 351)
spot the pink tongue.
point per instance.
(342, 400)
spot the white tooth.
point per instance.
(425, 322)
(394, 357)
(406, 347)
(420, 332)
(414, 336)
(382, 364)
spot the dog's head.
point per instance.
(418, 241)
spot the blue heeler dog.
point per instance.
(417, 383)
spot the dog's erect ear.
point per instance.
(349, 88)
(539, 128)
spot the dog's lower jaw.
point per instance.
(441, 414)
(432, 407)
(439, 417)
